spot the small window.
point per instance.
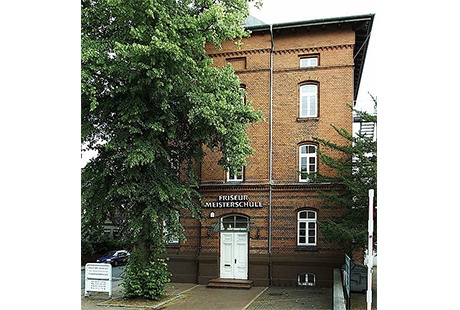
(308, 100)
(309, 62)
(107, 231)
(236, 176)
(306, 279)
(237, 63)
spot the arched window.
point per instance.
(307, 162)
(308, 100)
(306, 228)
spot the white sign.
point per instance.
(234, 201)
(98, 278)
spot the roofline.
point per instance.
(314, 22)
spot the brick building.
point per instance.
(261, 221)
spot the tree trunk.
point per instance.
(144, 243)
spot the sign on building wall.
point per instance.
(233, 201)
(98, 278)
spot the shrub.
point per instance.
(145, 281)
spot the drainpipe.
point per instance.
(197, 256)
(270, 156)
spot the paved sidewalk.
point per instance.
(181, 296)
(197, 297)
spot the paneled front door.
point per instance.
(234, 255)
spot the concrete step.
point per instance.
(230, 283)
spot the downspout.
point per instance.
(270, 156)
(197, 256)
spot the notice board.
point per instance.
(98, 278)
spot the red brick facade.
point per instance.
(268, 65)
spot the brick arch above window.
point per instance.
(308, 142)
(306, 208)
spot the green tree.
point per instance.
(356, 168)
(150, 101)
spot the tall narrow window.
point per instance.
(308, 100)
(174, 161)
(171, 238)
(243, 97)
(306, 228)
(307, 162)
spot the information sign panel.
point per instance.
(98, 278)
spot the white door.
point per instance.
(234, 255)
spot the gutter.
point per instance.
(313, 22)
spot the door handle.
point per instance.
(235, 260)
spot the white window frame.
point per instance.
(307, 228)
(235, 177)
(306, 279)
(310, 159)
(243, 98)
(308, 106)
(311, 61)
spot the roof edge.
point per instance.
(314, 22)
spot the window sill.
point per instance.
(307, 119)
(172, 245)
(307, 248)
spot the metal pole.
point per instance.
(370, 257)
